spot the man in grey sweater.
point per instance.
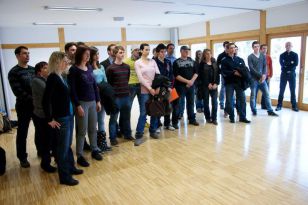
(257, 67)
(43, 136)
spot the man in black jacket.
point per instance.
(111, 57)
(230, 67)
(288, 61)
(20, 78)
(222, 86)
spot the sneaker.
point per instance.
(96, 155)
(171, 128)
(130, 138)
(71, 182)
(154, 135)
(272, 114)
(114, 142)
(295, 109)
(175, 126)
(82, 161)
(139, 141)
(48, 168)
(77, 171)
(24, 163)
(278, 108)
(158, 131)
(245, 121)
(225, 114)
(86, 146)
(195, 123)
(214, 122)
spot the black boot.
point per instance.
(101, 142)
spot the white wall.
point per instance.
(287, 15)
(193, 30)
(29, 35)
(36, 55)
(92, 34)
(242, 22)
(147, 34)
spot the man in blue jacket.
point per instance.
(288, 61)
(230, 68)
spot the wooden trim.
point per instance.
(235, 35)
(61, 36)
(123, 40)
(208, 33)
(102, 43)
(262, 27)
(149, 42)
(186, 41)
(302, 71)
(287, 29)
(31, 45)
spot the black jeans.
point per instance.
(286, 77)
(44, 139)
(24, 115)
(240, 100)
(206, 98)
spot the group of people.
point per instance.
(71, 89)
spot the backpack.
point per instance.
(2, 161)
(5, 124)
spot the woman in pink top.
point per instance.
(146, 69)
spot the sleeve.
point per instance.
(225, 69)
(175, 69)
(156, 67)
(104, 74)
(16, 86)
(295, 64)
(141, 79)
(253, 71)
(270, 67)
(109, 75)
(47, 97)
(200, 79)
(217, 80)
(281, 61)
(196, 67)
(96, 91)
(171, 77)
(264, 70)
(72, 82)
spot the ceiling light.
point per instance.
(185, 13)
(53, 24)
(118, 18)
(134, 24)
(64, 8)
(223, 7)
(152, 1)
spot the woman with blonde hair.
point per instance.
(59, 114)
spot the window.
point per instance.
(195, 47)
(277, 48)
(218, 49)
(305, 96)
(244, 49)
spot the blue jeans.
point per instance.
(240, 100)
(65, 157)
(222, 92)
(189, 95)
(284, 78)
(123, 106)
(254, 87)
(206, 98)
(134, 91)
(263, 105)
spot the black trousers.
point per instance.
(24, 114)
(45, 139)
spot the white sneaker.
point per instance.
(171, 128)
(158, 131)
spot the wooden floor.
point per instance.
(262, 163)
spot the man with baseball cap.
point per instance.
(185, 73)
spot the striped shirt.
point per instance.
(118, 77)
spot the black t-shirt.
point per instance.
(185, 68)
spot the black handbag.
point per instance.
(155, 107)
